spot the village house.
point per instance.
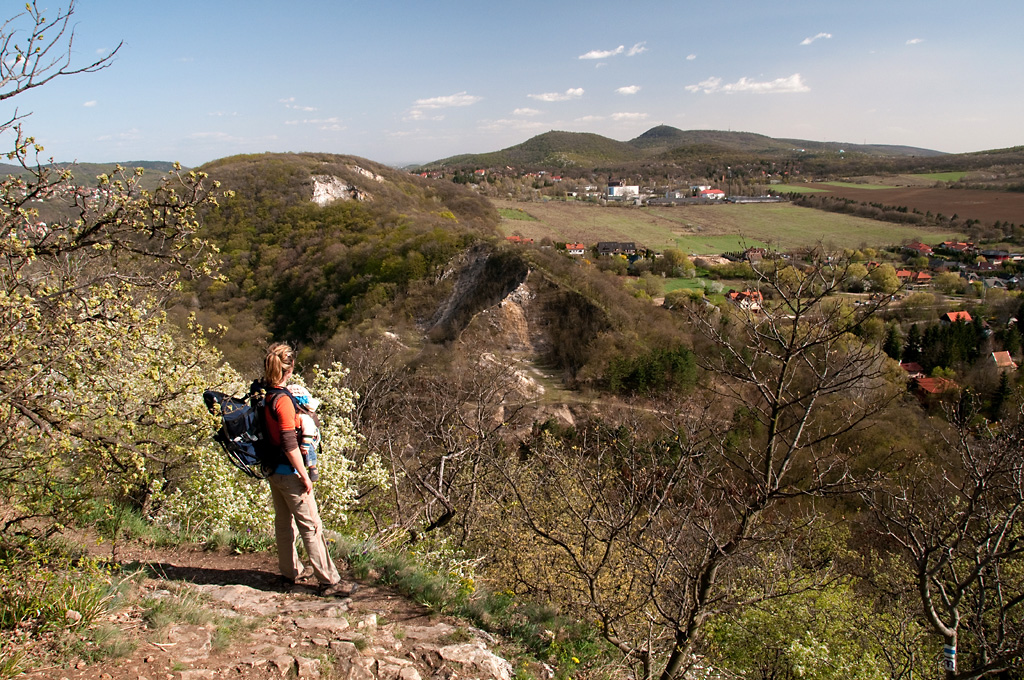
(713, 194)
(929, 389)
(953, 317)
(956, 246)
(748, 299)
(576, 248)
(996, 256)
(620, 190)
(616, 248)
(919, 248)
(913, 369)
(1003, 361)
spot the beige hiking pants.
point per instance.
(291, 509)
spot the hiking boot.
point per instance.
(306, 573)
(339, 589)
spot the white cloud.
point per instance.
(326, 123)
(629, 116)
(417, 114)
(636, 49)
(603, 54)
(421, 106)
(449, 101)
(589, 119)
(526, 112)
(915, 41)
(691, 57)
(629, 89)
(221, 114)
(808, 41)
(791, 84)
(571, 93)
(89, 104)
(511, 124)
(289, 103)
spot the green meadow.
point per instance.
(516, 214)
(709, 229)
(797, 189)
(855, 185)
(942, 176)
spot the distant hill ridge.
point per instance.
(660, 143)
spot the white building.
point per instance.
(620, 190)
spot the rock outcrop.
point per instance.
(327, 189)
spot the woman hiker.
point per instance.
(290, 486)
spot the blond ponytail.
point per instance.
(280, 359)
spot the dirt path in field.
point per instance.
(230, 616)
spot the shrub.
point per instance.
(218, 497)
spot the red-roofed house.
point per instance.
(958, 246)
(953, 317)
(748, 299)
(932, 388)
(716, 194)
(913, 369)
(920, 248)
(576, 248)
(1003, 361)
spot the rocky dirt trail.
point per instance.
(241, 621)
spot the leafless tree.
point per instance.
(647, 535)
(956, 518)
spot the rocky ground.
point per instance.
(230, 616)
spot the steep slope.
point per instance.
(312, 241)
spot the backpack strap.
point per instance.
(272, 395)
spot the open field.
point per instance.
(798, 189)
(855, 185)
(985, 206)
(707, 229)
(515, 214)
(942, 176)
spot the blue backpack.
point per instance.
(243, 430)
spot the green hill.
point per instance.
(298, 270)
(662, 143)
(553, 149)
(85, 173)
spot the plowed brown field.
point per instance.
(985, 206)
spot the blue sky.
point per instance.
(414, 81)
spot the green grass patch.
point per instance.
(855, 185)
(516, 214)
(797, 189)
(12, 664)
(712, 229)
(942, 176)
(683, 284)
(185, 606)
